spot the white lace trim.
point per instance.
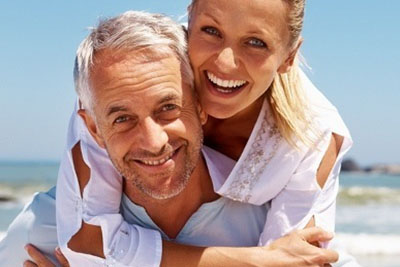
(256, 159)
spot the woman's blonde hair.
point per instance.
(286, 95)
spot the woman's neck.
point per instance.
(229, 136)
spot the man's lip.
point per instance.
(213, 88)
(165, 165)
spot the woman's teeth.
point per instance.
(225, 86)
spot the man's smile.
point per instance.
(159, 164)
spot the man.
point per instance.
(142, 110)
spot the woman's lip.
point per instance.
(221, 76)
(213, 90)
(161, 167)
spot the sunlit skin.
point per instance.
(234, 41)
(145, 120)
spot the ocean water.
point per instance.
(367, 218)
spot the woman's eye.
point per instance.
(211, 31)
(257, 43)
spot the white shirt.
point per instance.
(269, 169)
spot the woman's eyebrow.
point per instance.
(206, 14)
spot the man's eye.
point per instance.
(257, 43)
(121, 119)
(211, 31)
(169, 107)
(169, 112)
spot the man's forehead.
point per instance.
(112, 68)
(109, 56)
(152, 101)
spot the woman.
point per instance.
(246, 76)
(288, 143)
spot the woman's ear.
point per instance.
(202, 114)
(91, 126)
(289, 61)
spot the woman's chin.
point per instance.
(219, 111)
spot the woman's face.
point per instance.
(236, 48)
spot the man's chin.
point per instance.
(162, 193)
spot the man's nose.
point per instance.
(153, 136)
(226, 60)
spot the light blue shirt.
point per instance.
(223, 222)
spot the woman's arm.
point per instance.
(291, 250)
(88, 195)
(309, 198)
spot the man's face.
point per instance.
(146, 118)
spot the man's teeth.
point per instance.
(157, 162)
(225, 83)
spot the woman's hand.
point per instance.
(39, 260)
(295, 249)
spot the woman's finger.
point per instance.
(38, 258)
(60, 257)
(315, 234)
(29, 264)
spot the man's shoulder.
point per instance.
(35, 224)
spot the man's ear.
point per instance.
(288, 63)
(91, 125)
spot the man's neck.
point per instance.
(172, 214)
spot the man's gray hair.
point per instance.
(131, 30)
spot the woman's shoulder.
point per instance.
(323, 112)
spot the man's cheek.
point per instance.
(177, 127)
(116, 148)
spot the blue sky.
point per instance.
(352, 47)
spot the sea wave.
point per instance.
(369, 244)
(19, 194)
(354, 195)
(357, 195)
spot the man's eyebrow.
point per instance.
(114, 109)
(168, 98)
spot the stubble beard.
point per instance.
(191, 156)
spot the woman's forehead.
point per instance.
(260, 9)
(255, 16)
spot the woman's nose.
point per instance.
(226, 60)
